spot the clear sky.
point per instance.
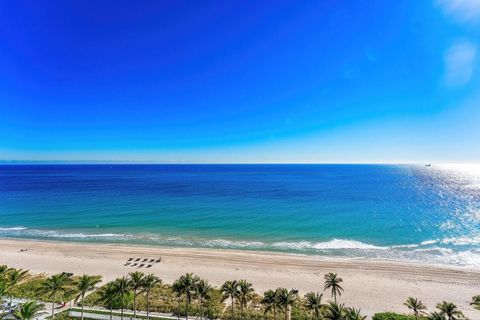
(240, 81)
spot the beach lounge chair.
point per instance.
(145, 260)
(126, 263)
(130, 259)
(152, 260)
(158, 260)
(140, 266)
(149, 266)
(138, 259)
(133, 265)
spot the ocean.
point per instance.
(396, 212)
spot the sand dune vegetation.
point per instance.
(138, 295)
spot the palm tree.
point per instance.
(354, 314)
(136, 281)
(230, 291)
(335, 311)
(416, 306)
(186, 284)
(287, 299)
(122, 289)
(476, 302)
(450, 310)
(3, 288)
(270, 302)
(3, 292)
(83, 285)
(3, 271)
(332, 282)
(149, 282)
(245, 293)
(14, 277)
(54, 285)
(436, 316)
(107, 295)
(204, 290)
(29, 310)
(313, 302)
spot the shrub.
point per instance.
(392, 316)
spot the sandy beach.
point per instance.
(370, 285)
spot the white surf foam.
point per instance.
(428, 242)
(462, 241)
(328, 245)
(83, 235)
(234, 244)
(22, 231)
(12, 229)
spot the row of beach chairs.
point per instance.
(140, 263)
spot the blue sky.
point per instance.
(240, 81)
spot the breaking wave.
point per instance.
(332, 244)
(12, 229)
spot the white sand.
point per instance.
(373, 286)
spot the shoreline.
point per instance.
(422, 253)
(372, 285)
(263, 251)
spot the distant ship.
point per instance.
(428, 165)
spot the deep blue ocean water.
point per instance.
(419, 213)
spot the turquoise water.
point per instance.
(415, 213)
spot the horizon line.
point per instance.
(153, 162)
